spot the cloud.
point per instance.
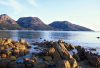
(32, 2)
(3, 2)
(17, 7)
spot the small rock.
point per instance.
(2, 48)
(47, 58)
(22, 41)
(3, 55)
(60, 41)
(13, 58)
(51, 51)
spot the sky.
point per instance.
(81, 12)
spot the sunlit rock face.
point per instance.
(7, 23)
(4, 18)
(13, 49)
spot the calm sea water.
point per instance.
(83, 38)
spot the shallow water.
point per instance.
(84, 38)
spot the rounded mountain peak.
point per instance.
(61, 22)
(29, 20)
(4, 18)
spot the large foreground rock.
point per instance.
(62, 57)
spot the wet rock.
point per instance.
(16, 50)
(22, 41)
(13, 58)
(2, 48)
(78, 67)
(22, 48)
(29, 61)
(47, 58)
(51, 51)
(12, 65)
(13, 48)
(8, 52)
(81, 52)
(56, 56)
(28, 65)
(98, 37)
(71, 46)
(6, 47)
(7, 41)
(73, 63)
(26, 59)
(27, 44)
(35, 58)
(92, 49)
(28, 47)
(63, 64)
(76, 56)
(93, 59)
(26, 51)
(64, 53)
(3, 65)
(3, 56)
(60, 41)
(44, 39)
(36, 47)
(40, 65)
(32, 61)
(20, 65)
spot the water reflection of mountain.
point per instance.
(29, 35)
(75, 37)
(16, 35)
(4, 34)
(48, 35)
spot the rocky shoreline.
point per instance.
(53, 55)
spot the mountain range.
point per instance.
(34, 23)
